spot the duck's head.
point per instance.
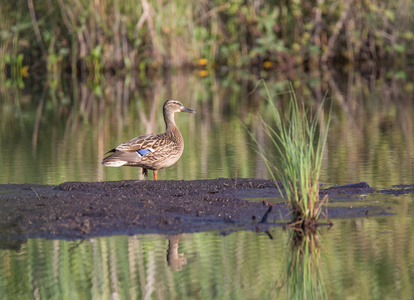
(173, 106)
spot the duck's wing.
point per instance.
(148, 142)
(137, 150)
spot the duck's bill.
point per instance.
(185, 109)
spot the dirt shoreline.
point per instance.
(75, 210)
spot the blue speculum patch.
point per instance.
(142, 152)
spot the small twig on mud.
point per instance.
(136, 219)
(264, 219)
(268, 203)
(84, 227)
(37, 195)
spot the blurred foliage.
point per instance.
(94, 37)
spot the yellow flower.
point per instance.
(202, 61)
(25, 71)
(202, 73)
(267, 64)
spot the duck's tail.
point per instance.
(120, 158)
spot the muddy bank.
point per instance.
(83, 209)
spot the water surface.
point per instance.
(52, 136)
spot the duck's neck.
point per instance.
(172, 129)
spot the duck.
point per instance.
(154, 151)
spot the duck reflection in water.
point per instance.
(175, 260)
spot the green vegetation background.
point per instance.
(94, 37)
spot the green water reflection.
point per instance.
(303, 271)
(367, 258)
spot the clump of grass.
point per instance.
(299, 145)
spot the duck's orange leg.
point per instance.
(155, 174)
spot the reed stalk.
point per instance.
(296, 158)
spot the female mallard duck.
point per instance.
(153, 151)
